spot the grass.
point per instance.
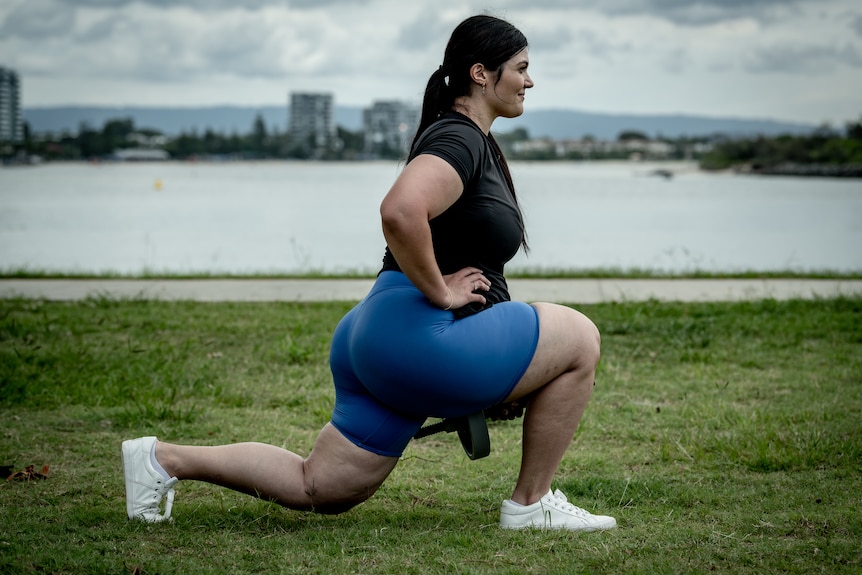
(524, 273)
(723, 437)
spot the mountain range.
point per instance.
(559, 124)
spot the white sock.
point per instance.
(515, 504)
(156, 465)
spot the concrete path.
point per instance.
(557, 290)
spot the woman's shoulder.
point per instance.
(453, 130)
(455, 122)
(458, 141)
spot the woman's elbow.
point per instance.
(395, 217)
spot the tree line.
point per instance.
(260, 143)
(121, 133)
(824, 151)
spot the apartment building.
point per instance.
(312, 122)
(11, 127)
(389, 127)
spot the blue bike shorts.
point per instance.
(397, 359)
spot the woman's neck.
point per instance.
(467, 106)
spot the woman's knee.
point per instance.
(575, 332)
(331, 498)
(591, 340)
(339, 475)
(340, 504)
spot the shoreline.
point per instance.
(658, 165)
(582, 290)
(803, 170)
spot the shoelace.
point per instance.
(169, 503)
(563, 503)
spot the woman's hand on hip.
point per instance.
(466, 286)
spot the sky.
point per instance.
(789, 60)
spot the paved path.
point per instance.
(558, 290)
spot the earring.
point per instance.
(483, 89)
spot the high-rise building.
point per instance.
(312, 122)
(389, 127)
(11, 128)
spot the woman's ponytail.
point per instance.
(437, 99)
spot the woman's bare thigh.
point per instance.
(567, 340)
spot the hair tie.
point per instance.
(442, 70)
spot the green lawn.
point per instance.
(723, 437)
(515, 272)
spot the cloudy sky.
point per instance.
(795, 60)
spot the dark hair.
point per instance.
(482, 39)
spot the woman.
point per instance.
(437, 334)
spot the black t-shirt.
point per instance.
(483, 228)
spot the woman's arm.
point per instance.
(425, 189)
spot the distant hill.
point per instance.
(562, 124)
(556, 124)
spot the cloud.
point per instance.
(551, 38)
(426, 32)
(219, 5)
(676, 61)
(316, 4)
(600, 45)
(38, 20)
(686, 12)
(812, 59)
(586, 54)
(179, 44)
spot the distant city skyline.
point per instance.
(788, 60)
(557, 124)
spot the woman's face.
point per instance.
(507, 95)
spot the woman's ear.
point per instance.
(478, 74)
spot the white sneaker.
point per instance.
(145, 487)
(553, 511)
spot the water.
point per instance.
(294, 217)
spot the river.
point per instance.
(303, 217)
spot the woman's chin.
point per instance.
(514, 111)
